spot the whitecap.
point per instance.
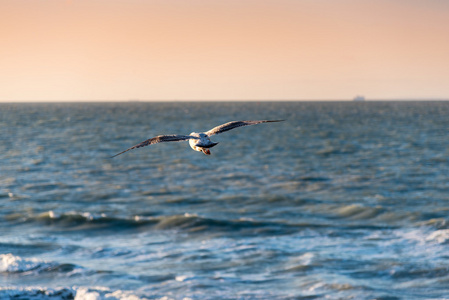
(35, 293)
(12, 264)
(181, 278)
(439, 236)
(62, 293)
(52, 215)
(87, 294)
(103, 293)
(300, 263)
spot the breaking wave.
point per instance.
(10, 263)
(67, 293)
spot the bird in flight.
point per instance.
(198, 141)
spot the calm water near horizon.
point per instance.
(343, 200)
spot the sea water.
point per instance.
(342, 200)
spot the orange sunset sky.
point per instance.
(82, 50)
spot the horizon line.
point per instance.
(223, 100)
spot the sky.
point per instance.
(105, 50)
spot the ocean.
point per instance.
(342, 200)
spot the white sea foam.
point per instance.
(439, 236)
(76, 293)
(35, 293)
(181, 278)
(423, 236)
(10, 263)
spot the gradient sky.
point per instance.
(53, 50)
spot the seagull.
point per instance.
(198, 141)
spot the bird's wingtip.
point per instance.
(117, 154)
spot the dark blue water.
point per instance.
(343, 200)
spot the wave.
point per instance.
(362, 215)
(10, 263)
(439, 236)
(65, 293)
(35, 247)
(355, 211)
(36, 293)
(194, 223)
(74, 221)
(427, 236)
(88, 221)
(355, 216)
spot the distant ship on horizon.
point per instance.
(359, 98)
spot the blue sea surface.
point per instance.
(343, 200)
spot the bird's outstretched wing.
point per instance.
(160, 139)
(235, 124)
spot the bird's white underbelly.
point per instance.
(193, 143)
(198, 144)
